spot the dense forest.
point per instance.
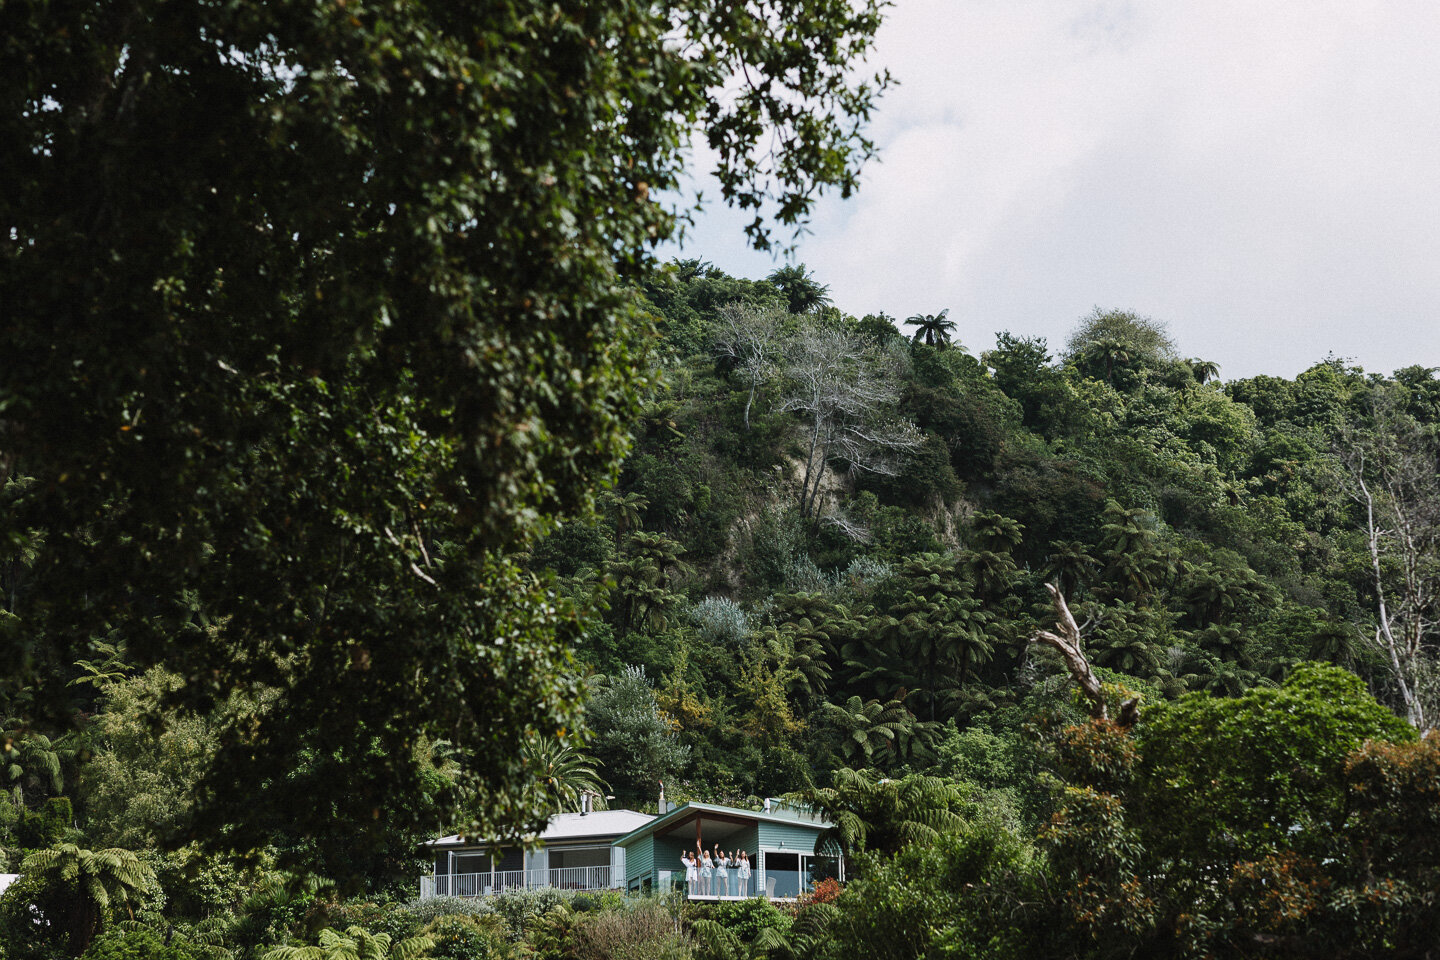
(364, 478)
(821, 573)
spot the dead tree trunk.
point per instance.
(1067, 641)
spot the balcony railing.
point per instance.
(498, 881)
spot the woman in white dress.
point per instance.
(692, 873)
(742, 875)
(722, 871)
(707, 872)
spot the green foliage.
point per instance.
(355, 943)
(468, 937)
(643, 931)
(748, 919)
(633, 740)
(141, 944)
(356, 288)
(1221, 822)
(83, 889)
(520, 909)
(883, 815)
(1120, 332)
(802, 292)
(432, 908)
(563, 774)
(969, 893)
(1246, 777)
(32, 764)
(51, 824)
(140, 786)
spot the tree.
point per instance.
(973, 892)
(356, 943)
(884, 815)
(1389, 471)
(748, 338)
(802, 292)
(1066, 640)
(1221, 826)
(634, 740)
(82, 888)
(139, 787)
(564, 774)
(932, 329)
(314, 312)
(1204, 370)
(1121, 331)
(33, 761)
(863, 728)
(839, 384)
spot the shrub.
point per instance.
(826, 891)
(469, 937)
(141, 944)
(863, 573)
(647, 932)
(430, 908)
(721, 621)
(746, 918)
(521, 907)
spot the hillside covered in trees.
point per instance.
(829, 544)
(821, 573)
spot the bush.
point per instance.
(46, 826)
(376, 917)
(720, 621)
(521, 907)
(141, 944)
(746, 918)
(647, 932)
(25, 932)
(431, 908)
(469, 937)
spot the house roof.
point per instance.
(691, 809)
(597, 824)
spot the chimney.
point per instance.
(661, 807)
(584, 802)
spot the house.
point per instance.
(576, 853)
(640, 853)
(787, 845)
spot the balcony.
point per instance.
(499, 881)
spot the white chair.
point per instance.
(769, 888)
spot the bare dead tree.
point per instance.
(1389, 471)
(1065, 639)
(749, 337)
(848, 394)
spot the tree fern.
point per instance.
(356, 943)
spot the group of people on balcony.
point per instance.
(704, 872)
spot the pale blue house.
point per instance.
(785, 844)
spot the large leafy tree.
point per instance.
(1228, 827)
(312, 311)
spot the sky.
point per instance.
(1263, 176)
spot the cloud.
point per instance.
(1259, 175)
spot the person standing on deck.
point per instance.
(722, 870)
(692, 873)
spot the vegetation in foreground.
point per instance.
(364, 478)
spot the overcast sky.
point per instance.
(1262, 175)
